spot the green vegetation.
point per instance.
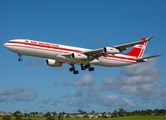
(50, 118)
(6, 118)
(114, 118)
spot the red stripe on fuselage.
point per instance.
(36, 48)
(52, 46)
(108, 57)
(120, 57)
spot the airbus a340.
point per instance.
(57, 54)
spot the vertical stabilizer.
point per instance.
(138, 50)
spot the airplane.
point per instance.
(57, 54)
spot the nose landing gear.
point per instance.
(19, 59)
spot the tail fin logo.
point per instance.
(137, 50)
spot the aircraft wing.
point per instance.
(125, 46)
(99, 52)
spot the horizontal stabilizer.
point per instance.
(145, 58)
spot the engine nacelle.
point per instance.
(53, 63)
(78, 56)
(110, 50)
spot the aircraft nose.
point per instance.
(5, 45)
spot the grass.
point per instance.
(114, 118)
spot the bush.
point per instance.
(50, 118)
(6, 117)
(18, 117)
(29, 118)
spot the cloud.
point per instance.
(3, 98)
(81, 102)
(17, 94)
(81, 85)
(58, 101)
(46, 101)
(33, 62)
(53, 104)
(113, 101)
(66, 95)
(137, 80)
(162, 95)
(24, 95)
(40, 107)
(101, 38)
(105, 100)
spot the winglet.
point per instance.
(148, 39)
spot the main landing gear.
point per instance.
(73, 69)
(83, 67)
(19, 59)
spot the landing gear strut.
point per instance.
(89, 66)
(83, 67)
(73, 69)
(19, 59)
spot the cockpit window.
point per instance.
(11, 42)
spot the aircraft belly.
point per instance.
(114, 63)
(51, 54)
(33, 52)
(45, 53)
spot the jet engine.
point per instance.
(110, 50)
(78, 56)
(53, 63)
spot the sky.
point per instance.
(31, 85)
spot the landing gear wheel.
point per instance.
(20, 59)
(83, 68)
(87, 66)
(76, 72)
(91, 69)
(72, 69)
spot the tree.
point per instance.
(121, 111)
(80, 111)
(16, 113)
(84, 112)
(60, 116)
(128, 113)
(25, 114)
(149, 111)
(63, 113)
(48, 114)
(115, 112)
(103, 114)
(54, 113)
(93, 112)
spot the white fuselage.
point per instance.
(58, 52)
